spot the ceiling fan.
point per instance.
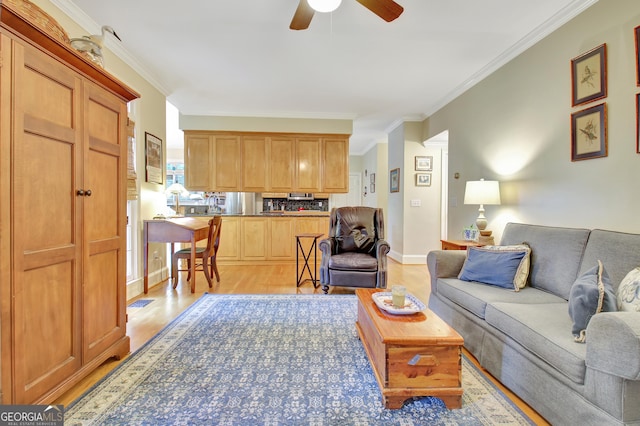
(386, 9)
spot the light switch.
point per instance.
(416, 203)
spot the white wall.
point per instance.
(514, 126)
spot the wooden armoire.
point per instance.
(63, 162)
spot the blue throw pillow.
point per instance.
(495, 267)
(590, 294)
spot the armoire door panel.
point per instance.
(47, 339)
(100, 207)
(100, 303)
(46, 191)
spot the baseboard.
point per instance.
(408, 259)
(136, 287)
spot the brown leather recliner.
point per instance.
(355, 254)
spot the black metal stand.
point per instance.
(306, 256)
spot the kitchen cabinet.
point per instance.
(266, 162)
(281, 163)
(255, 158)
(226, 160)
(335, 165)
(308, 153)
(63, 164)
(281, 238)
(229, 249)
(253, 238)
(198, 149)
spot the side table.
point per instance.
(458, 244)
(306, 255)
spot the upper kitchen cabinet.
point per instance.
(226, 160)
(266, 162)
(255, 157)
(281, 165)
(198, 154)
(335, 163)
(308, 169)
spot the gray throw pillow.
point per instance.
(590, 294)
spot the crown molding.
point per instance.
(117, 48)
(567, 13)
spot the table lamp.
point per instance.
(482, 192)
(177, 190)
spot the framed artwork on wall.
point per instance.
(636, 37)
(589, 76)
(373, 188)
(424, 164)
(394, 180)
(589, 133)
(153, 158)
(372, 178)
(423, 179)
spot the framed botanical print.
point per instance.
(636, 37)
(589, 133)
(589, 76)
(423, 179)
(394, 180)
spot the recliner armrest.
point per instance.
(381, 249)
(613, 344)
(328, 245)
(444, 264)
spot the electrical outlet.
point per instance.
(319, 203)
(156, 255)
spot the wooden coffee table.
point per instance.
(411, 355)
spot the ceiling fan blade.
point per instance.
(302, 17)
(386, 9)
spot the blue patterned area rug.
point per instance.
(269, 360)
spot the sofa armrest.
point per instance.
(444, 264)
(613, 344)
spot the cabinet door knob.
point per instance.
(87, 193)
(80, 192)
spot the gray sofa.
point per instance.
(524, 338)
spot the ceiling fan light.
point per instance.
(324, 5)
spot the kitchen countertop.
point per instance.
(301, 213)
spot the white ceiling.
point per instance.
(239, 57)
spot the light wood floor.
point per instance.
(144, 323)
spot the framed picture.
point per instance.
(423, 179)
(372, 186)
(372, 178)
(589, 133)
(424, 163)
(394, 180)
(636, 33)
(153, 158)
(589, 76)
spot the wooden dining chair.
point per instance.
(208, 255)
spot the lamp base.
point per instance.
(485, 238)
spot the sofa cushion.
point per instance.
(491, 266)
(618, 251)
(542, 330)
(555, 254)
(590, 294)
(628, 293)
(474, 296)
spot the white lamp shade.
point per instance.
(324, 5)
(176, 189)
(482, 192)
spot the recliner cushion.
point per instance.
(355, 230)
(353, 261)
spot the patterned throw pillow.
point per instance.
(496, 265)
(590, 294)
(629, 292)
